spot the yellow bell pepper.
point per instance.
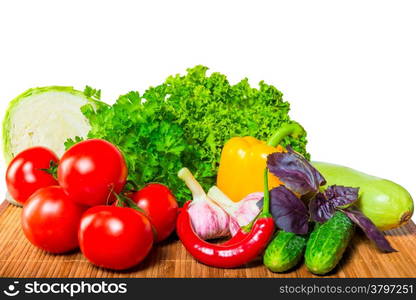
(243, 160)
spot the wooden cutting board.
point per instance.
(18, 258)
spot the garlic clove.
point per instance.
(248, 209)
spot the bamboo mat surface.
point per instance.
(18, 258)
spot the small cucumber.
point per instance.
(327, 243)
(285, 251)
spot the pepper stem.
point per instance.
(293, 129)
(247, 228)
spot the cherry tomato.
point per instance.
(159, 204)
(114, 237)
(24, 175)
(50, 220)
(90, 170)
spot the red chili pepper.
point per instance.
(239, 236)
(244, 248)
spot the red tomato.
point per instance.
(50, 220)
(90, 170)
(24, 175)
(160, 206)
(114, 237)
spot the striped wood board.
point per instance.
(18, 258)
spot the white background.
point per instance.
(348, 68)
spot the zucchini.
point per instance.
(327, 243)
(285, 251)
(387, 204)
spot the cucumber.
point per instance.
(285, 251)
(327, 243)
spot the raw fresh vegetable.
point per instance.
(24, 175)
(385, 203)
(243, 160)
(229, 255)
(209, 220)
(327, 243)
(114, 237)
(240, 157)
(91, 171)
(186, 122)
(50, 220)
(243, 211)
(45, 116)
(285, 251)
(160, 206)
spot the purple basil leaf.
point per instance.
(341, 195)
(295, 171)
(322, 206)
(369, 229)
(321, 209)
(288, 211)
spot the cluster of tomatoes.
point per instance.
(78, 201)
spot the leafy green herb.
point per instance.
(72, 141)
(92, 93)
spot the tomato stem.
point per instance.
(52, 170)
(123, 200)
(131, 183)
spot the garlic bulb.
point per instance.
(247, 209)
(243, 211)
